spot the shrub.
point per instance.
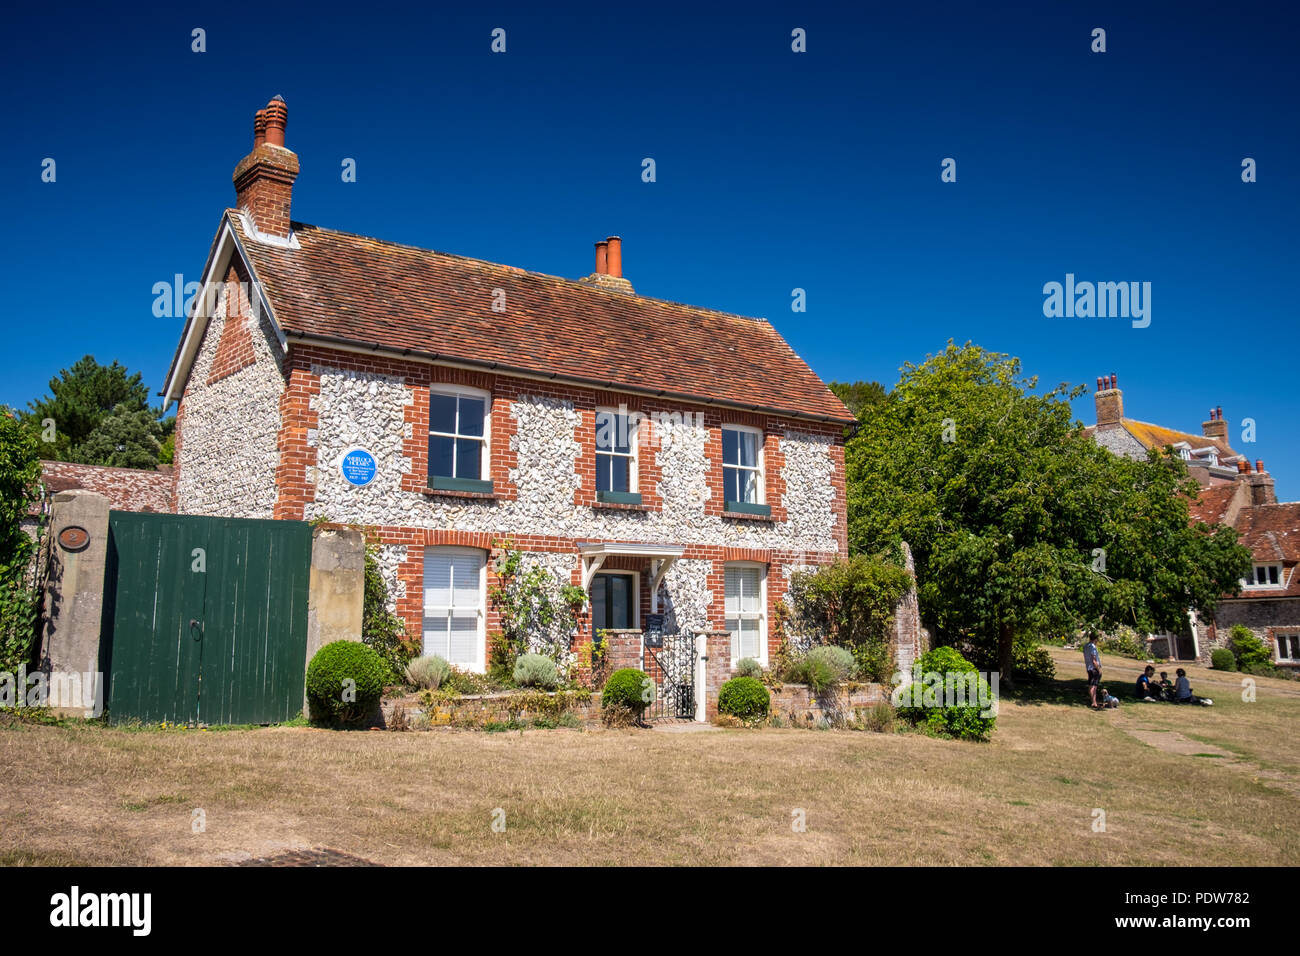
(1033, 662)
(1222, 659)
(744, 697)
(1248, 649)
(428, 672)
(381, 629)
(630, 688)
(936, 704)
(1125, 642)
(878, 718)
(535, 670)
(850, 603)
(825, 666)
(748, 667)
(327, 674)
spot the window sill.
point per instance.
(455, 493)
(733, 509)
(618, 498)
(474, 485)
(619, 506)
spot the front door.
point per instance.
(613, 601)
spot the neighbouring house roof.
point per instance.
(1272, 532)
(340, 287)
(127, 489)
(1213, 504)
(1157, 436)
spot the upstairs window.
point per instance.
(1264, 576)
(458, 438)
(616, 478)
(742, 468)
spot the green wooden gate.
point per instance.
(205, 618)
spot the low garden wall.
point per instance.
(421, 711)
(799, 706)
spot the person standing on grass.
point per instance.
(1092, 661)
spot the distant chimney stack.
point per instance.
(1110, 402)
(1260, 481)
(1216, 427)
(264, 178)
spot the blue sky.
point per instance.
(775, 170)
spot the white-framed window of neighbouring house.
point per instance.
(1264, 576)
(745, 587)
(1288, 646)
(458, 438)
(742, 465)
(455, 584)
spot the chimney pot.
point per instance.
(1259, 465)
(259, 128)
(277, 118)
(602, 250)
(1219, 410)
(1114, 380)
(614, 257)
(1099, 385)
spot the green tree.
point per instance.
(1022, 526)
(125, 438)
(81, 399)
(859, 396)
(20, 471)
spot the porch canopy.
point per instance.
(661, 557)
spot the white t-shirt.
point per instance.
(1091, 659)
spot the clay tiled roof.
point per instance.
(1213, 503)
(1157, 436)
(1272, 532)
(348, 287)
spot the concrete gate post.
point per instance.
(72, 615)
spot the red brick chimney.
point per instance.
(264, 178)
(1216, 427)
(1110, 401)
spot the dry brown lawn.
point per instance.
(91, 795)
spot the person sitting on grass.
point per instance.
(1166, 686)
(1183, 691)
(1105, 699)
(1147, 689)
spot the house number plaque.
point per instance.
(73, 538)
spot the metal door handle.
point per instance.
(196, 623)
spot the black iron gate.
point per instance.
(672, 667)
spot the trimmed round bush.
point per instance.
(628, 688)
(936, 700)
(744, 697)
(428, 672)
(536, 670)
(345, 680)
(1222, 659)
(1034, 663)
(748, 667)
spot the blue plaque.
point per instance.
(358, 467)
